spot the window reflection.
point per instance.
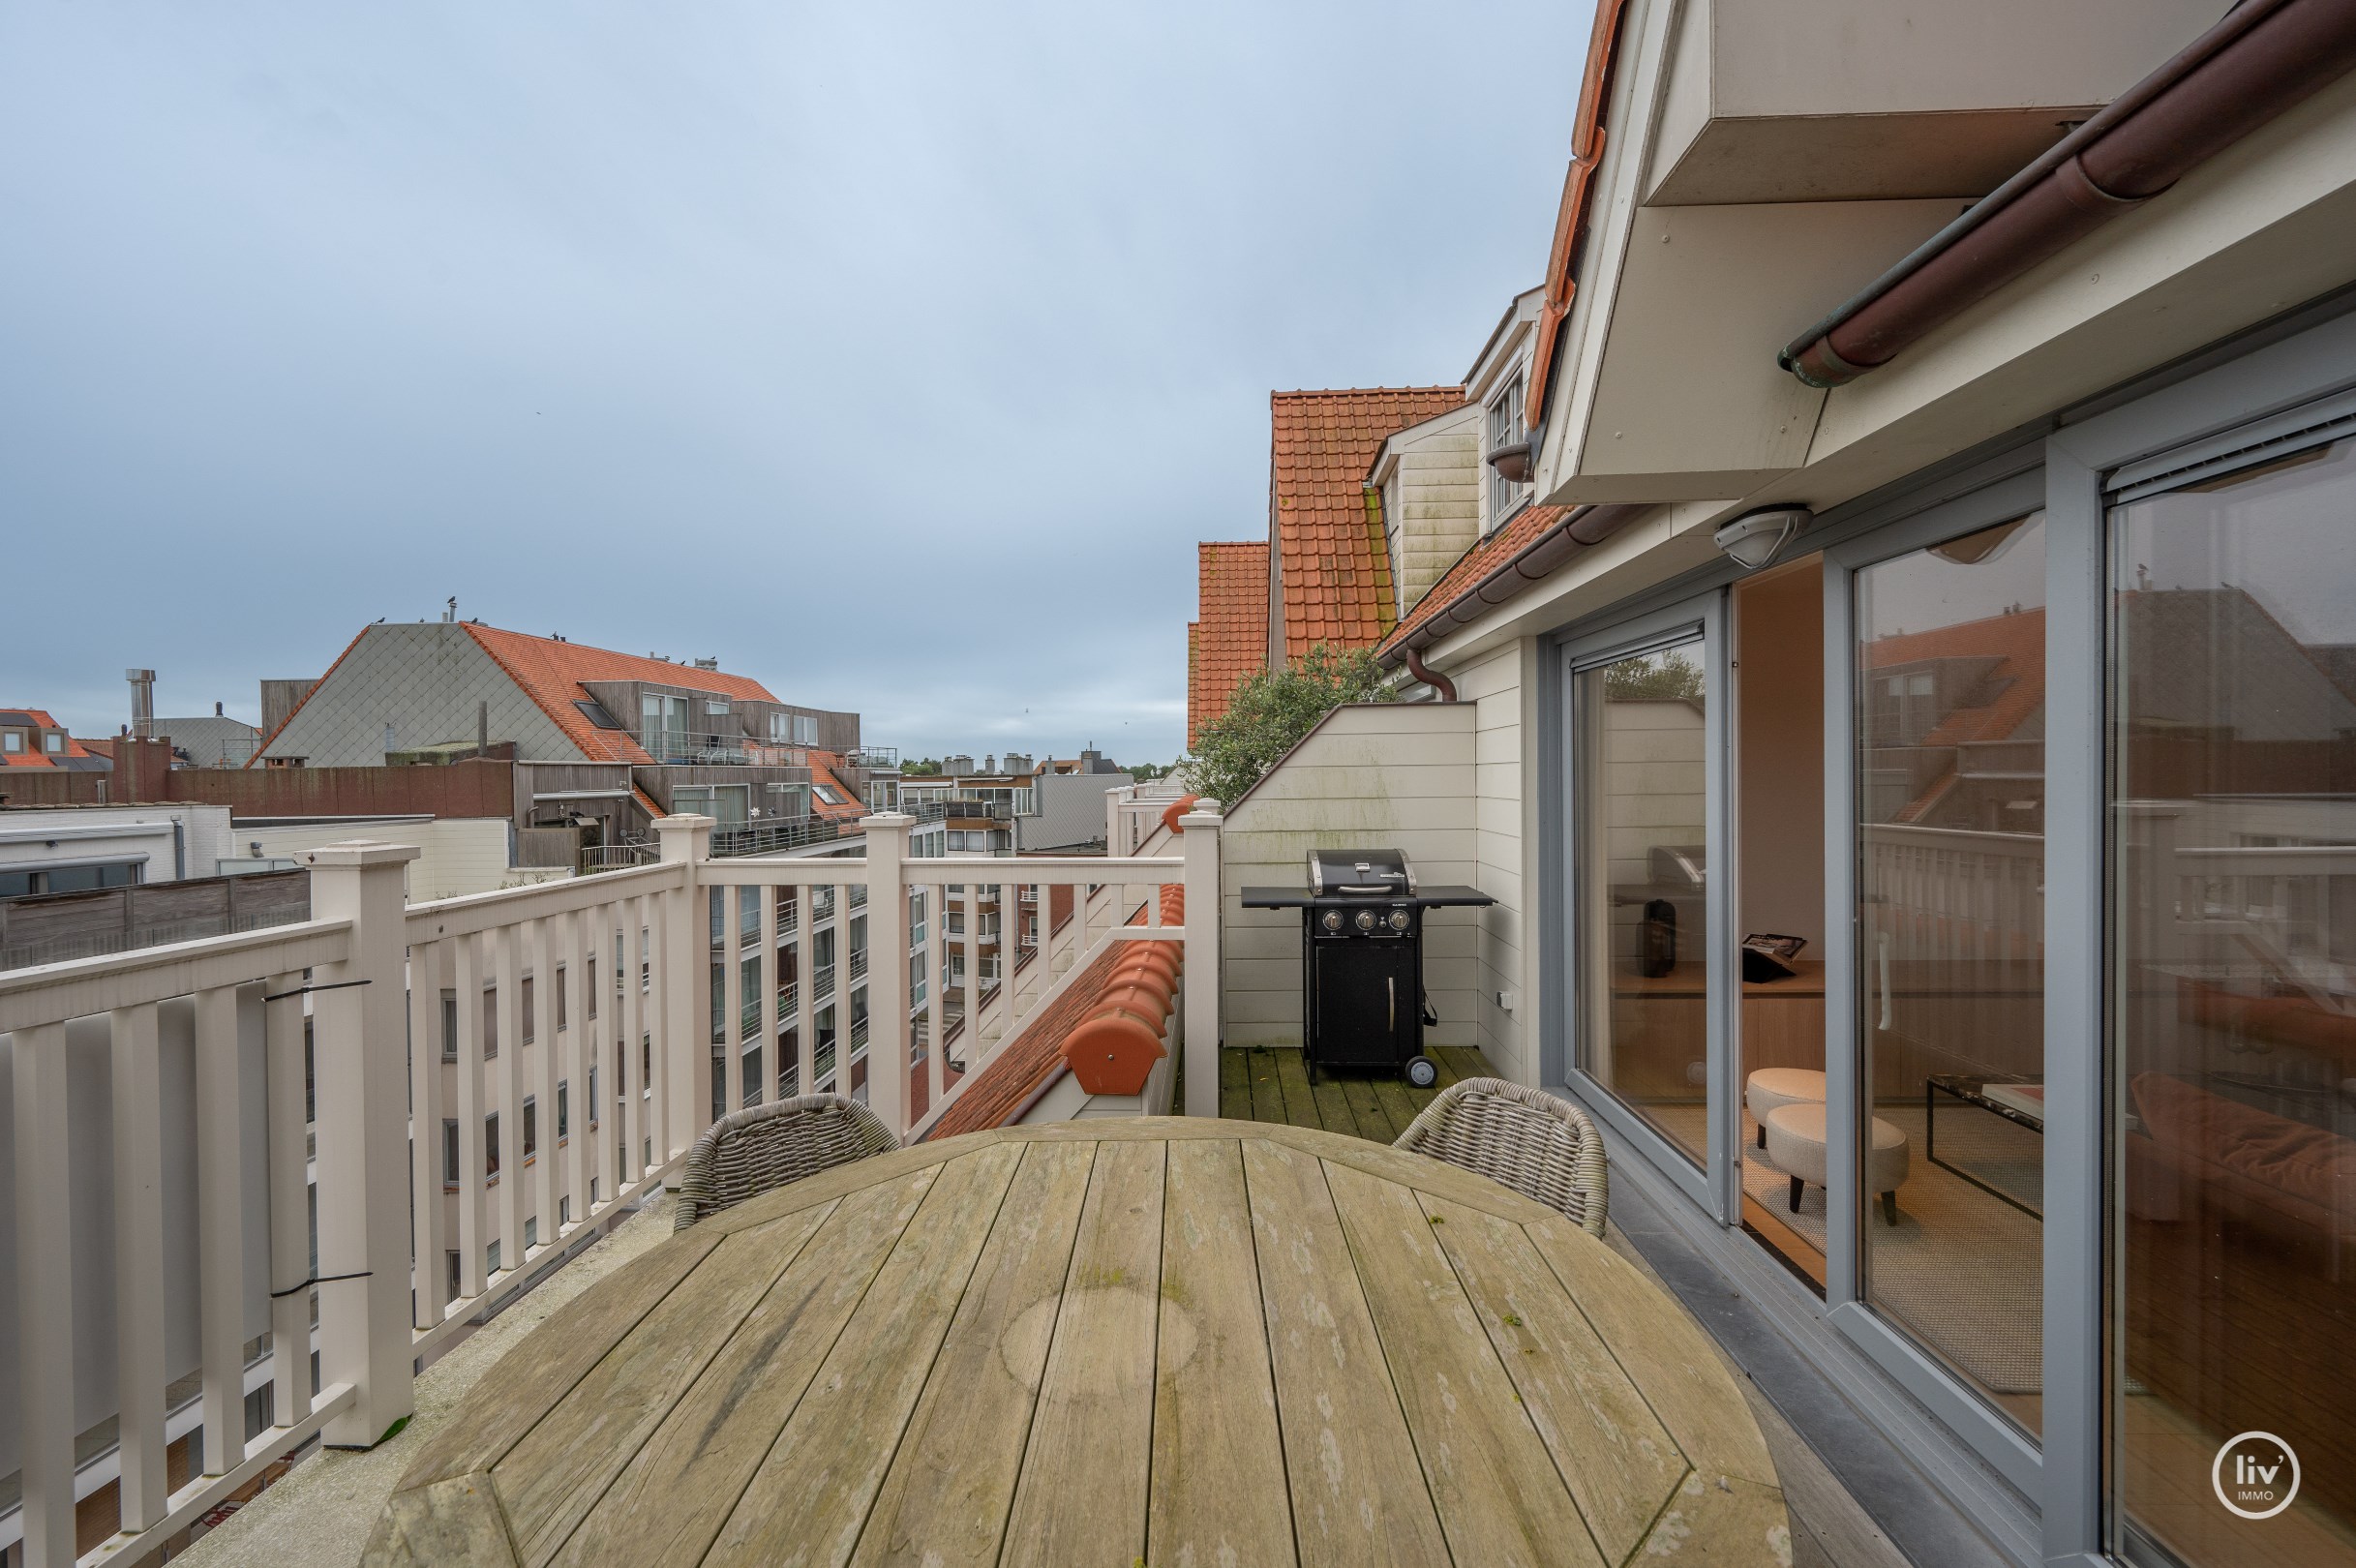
(1645, 815)
(1950, 677)
(2233, 1006)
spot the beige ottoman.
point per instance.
(1795, 1142)
(1770, 1087)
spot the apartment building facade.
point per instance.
(1900, 688)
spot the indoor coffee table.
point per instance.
(2015, 1106)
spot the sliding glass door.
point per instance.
(2232, 1013)
(1644, 789)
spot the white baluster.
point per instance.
(578, 938)
(547, 985)
(429, 1105)
(473, 1226)
(139, 1373)
(45, 1294)
(731, 998)
(220, 1239)
(289, 1158)
(514, 1187)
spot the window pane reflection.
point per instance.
(2233, 1008)
(1950, 680)
(1644, 813)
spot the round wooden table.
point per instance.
(1108, 1343)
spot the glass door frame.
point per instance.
(1717, 1186)
(2013, 488)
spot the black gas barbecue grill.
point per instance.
(1362, 958)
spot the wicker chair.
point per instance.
(760, 1149)
(1541, 1147)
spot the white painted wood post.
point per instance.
(507, 987)
(44, 1293)
(887, 968)
(547, 985)
(473, 1218)
(138, 1266)
(288, 1160)
(221, 1228)
(428, 1104)
(1198, 838)
(683, 1043)
(580, 940)
(362, 1162)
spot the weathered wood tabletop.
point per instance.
(1106, 1342)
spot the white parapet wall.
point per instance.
(1380, 775)
(457, 856)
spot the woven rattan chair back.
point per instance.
(1541, 1147)
(762, 1148)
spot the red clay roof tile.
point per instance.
(1230, 641)
(1476, 563)
(1331, 560)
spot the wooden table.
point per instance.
(1106, 1342)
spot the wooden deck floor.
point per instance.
(1264, 1084)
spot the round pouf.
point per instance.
(1769, 1087)
(1795, 1142)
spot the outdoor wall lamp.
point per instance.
(1756, 538)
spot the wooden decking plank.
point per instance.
(1300, 1101)
(1358, 1494)
(1333, 1106)
(1374, 1122)
(946, 1498)
(714, 1440)
(1095, 1413)
(1216, 1449)
(1665, 1354)
(1267, 1090)
(1500, 1501)
(1619, 1462)
(550, 1479)
(530, 1381)
(1234, 1085)
(1400, 1103)
(807, 1502)
(1461, 1062)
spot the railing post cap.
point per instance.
(681, 822)
(887, 821)
(1205, 814)
(361, 851)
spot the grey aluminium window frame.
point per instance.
(1716, 1186)
(2016, 494)
(2239, 399)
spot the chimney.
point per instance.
(449, 612)
(216, 712)
(142, 702)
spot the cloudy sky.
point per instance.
(895, 354)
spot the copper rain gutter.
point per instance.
(1581, 529)
(2262, 59)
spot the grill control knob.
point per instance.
(1366, 919)
(1399, 919)
(1333, 919)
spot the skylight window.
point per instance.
(595, 713)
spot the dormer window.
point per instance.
(1506, 428)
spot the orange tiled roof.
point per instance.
(1230, 641)
(553, 674)
(1335, 570)
(1028, 1063)
(1476, 563)
(33, 756)
(822, 766)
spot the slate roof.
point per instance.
(1333, 568)
(1230, 643)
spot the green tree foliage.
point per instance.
(1658, 678)
(1272, 710)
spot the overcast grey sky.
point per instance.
(895, 354)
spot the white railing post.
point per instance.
(683, 1038)
(1198, 838)
(44, 1293)
(359, 1065)
(887, 968)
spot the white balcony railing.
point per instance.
(399, 1113)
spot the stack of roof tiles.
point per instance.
(1334, 571)
(1113, 1052)
(1229, 643)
